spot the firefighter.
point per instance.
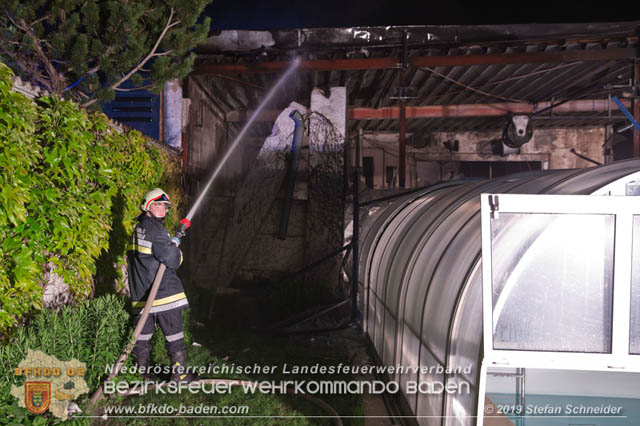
(151, 245)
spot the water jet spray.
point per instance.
(236, 141)
(186, 222)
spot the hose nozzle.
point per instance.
(181, 230)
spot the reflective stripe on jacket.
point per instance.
(151, 245)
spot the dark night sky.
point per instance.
(272, 14)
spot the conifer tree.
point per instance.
(87, 49)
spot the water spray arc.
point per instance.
(236, 141)
(185, 223)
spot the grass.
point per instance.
(227, 341)
(95, 332)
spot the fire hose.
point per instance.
(180, 233)
(138, 330)
(185, 223)
(136, 333)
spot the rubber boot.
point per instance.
(142, 361)
(179, 365)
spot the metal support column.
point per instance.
(402, 153)
(356, 228)
(636, 111)
(520, 395)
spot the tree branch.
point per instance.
(39, 20)
(54, 77)
(142, 63)
(29, 66)
(168, 52)
(119, 89)
(174, 24)
(150, 54)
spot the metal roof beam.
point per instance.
(440, 111)
(426, 61)
(480, 110)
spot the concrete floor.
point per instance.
(375, 410)
(374, 406)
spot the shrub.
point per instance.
(70, 188)
(93, 331)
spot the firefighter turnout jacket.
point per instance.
(151, 245)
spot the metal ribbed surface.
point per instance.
(483, 83)
(420, 267)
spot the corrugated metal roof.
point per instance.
(529, 83)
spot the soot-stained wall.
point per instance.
(235, 234)
(442, 154)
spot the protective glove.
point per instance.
(181, 230)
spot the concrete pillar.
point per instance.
(325, 218)
(172, 112)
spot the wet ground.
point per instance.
(348, 346)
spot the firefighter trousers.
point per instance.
(170, 323)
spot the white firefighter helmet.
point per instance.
(156, 195)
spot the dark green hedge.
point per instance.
(93, 331)
(70, 188)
